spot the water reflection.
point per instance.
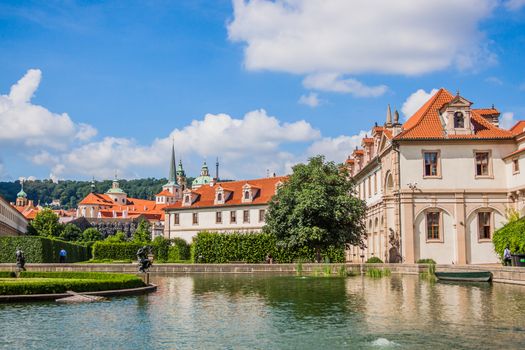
(278, 312)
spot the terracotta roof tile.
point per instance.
(518, 128)
(265, 186)
(426, 122)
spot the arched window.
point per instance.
(459, 120)
(246, 194)
(219, 197)
(389, 184)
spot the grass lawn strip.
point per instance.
(60, 282)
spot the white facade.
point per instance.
(209, 220)
(438, 190)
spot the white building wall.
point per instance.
(207, 221)
(457, 166)
(11, 218)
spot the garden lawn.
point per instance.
(61, 282)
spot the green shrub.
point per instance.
(513, 235)
(40, 249)
(103, 250)
(91, 234)
(252, 248)
(425, 261)
(374, 260)
(7, 274)
(60, 282)
(178, 250)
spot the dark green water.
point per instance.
(279, 312)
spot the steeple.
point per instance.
(388, 123)
(173, 175)
(181, 176)
(217, 170)
(93, 185)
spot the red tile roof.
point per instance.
(426, 122)
(367, 140)
(165, 193)
(518, 128)
(265, 186)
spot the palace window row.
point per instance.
(219, 217)
(434, 226)
(432, 164)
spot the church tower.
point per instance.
(21, 197)
(181, 176)
(172, 186)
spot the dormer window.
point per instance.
(219, 197)
(459, 120)
(247, 195)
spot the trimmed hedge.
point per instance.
(7, 274)
(426, 261)
(60, 282)
(513, 235)
(116, 251)
(252, 248)
(163, 250)
(374, 260)
(40, 250)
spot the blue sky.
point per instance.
(105, 86)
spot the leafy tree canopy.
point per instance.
(316, 207)
(142, 234)
(91, 234)
(46, 223)
(71, 232)
(117, 237)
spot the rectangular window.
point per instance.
(218, 217)
(431, 163)
(233, 217)
(484, 225)
(482, 163)
(516, 166)
(433, 225)
(195, 218)
(176, 219)
(246, 216)
(262, 214)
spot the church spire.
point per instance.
(173, 174)
(388, 123)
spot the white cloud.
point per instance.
(335, 83)
(337, 148)
(312, 100)
(514, 5)
(24, 123)
(415, 101)
(494, 80)
(247, 147)
(507, 120)
(362, 36)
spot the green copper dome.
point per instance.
(21, 194)
(204, 177)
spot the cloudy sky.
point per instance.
(90, 88)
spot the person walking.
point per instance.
(62, 255)
(506, 257)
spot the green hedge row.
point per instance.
(163, 250)
(7, 274)
(40, 250)
(60, 282)
(252, 248)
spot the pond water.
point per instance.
(278, 312)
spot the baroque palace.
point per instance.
(438, 185)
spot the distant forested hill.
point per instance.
(70, 192)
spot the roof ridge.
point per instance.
(423, 110)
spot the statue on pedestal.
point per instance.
(20, 260)
(144, 261)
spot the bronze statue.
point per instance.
(20, 260)
(142, 256)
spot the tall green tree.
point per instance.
(71, 233)
(91, 234)
(46, 223)
(317, 208)
(143, 233)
